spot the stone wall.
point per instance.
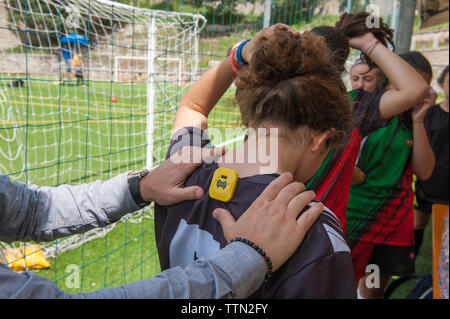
(439, 60)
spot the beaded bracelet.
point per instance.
(260, 251)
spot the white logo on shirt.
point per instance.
(190, 243)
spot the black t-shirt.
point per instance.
(435, 189)
(320, 268)
(366, 111)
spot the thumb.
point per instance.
(226, 220)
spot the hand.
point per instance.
(358, 176)
(249, 47)
(164, 184)
(271, 221)
(420, 110)
(363, 42)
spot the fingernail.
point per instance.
(198, 194)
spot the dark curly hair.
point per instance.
(352, 25)
(355, 24)
(337, 42)
(294, 82)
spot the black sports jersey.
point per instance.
(320, 268)
(435, 189)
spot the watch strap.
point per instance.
(134, 184)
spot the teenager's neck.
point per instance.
(265, 154)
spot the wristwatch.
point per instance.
(134, 184)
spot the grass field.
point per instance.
(52, 134)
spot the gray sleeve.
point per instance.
(236, 271)
(46, 213)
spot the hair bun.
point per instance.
(283, 56)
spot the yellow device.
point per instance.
(223, 184)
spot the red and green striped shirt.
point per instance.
(380, 210)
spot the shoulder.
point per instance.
(324, 238)
(435, 117)
(333, 231)
(436, 111)
(362, 97)
(322, 264)
(188, 136)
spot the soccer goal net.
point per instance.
(88, 90)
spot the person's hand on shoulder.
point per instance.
(165, 184)
(272, 221)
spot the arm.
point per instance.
(409, 88)
(234, 272)
(358, 176)
(199, 100)
(422, 154)
(47, 213)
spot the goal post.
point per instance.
(125, 67)
(151, 91)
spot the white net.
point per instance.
(88, 89)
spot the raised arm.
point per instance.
(408, 86)
(200, 99)
(423, 159)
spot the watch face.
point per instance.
(142, 173)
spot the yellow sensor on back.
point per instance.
(223, 184)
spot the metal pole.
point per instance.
(395, 12)
(349, 6)
(267, 13)
(151, 90)
(406, 14)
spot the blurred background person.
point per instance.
(434, 190)
(380, 206)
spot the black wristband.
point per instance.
(134, 184)
(260, 251)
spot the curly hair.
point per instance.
(355, 24)
(337, 42)
(294, 82)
